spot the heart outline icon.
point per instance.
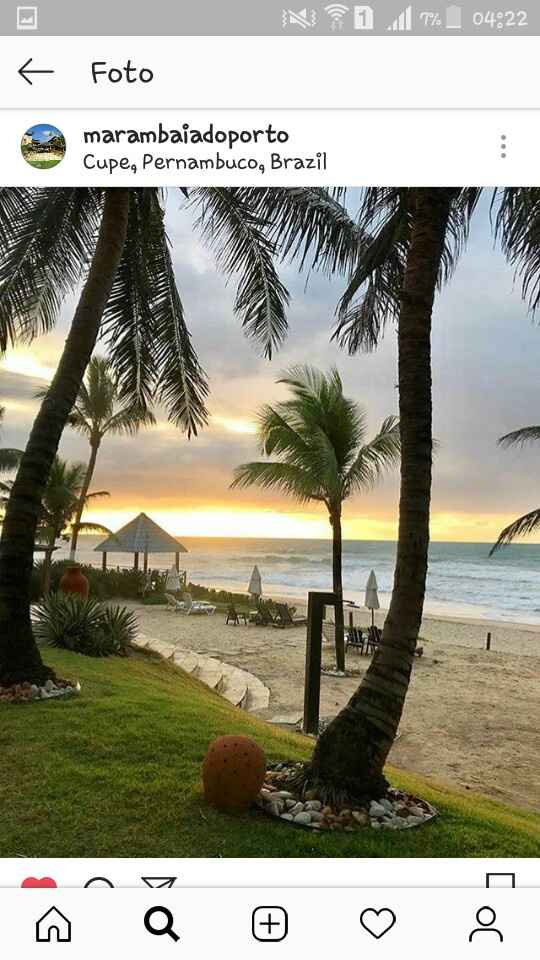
(40, 882)
(377, 915)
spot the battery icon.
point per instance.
(453, 18)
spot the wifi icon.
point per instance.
(336, 12)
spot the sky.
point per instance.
(43, 132)
(485, 383)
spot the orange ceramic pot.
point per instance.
(233, 772)
(74, 581)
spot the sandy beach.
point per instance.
(471, 717)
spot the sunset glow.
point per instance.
(26, 364)
(221, 522)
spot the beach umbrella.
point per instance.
(372, 597)
(255, 584)
(172, 582)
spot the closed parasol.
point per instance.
(372, 597)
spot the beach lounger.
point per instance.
(235, 616)
(285, 617)
(191, 606)
(355, 640)
(374, 637)
(173, 604)
(263, 615)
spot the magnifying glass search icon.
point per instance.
(164, 925)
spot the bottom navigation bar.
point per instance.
(311, 922)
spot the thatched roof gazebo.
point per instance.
(141, 535)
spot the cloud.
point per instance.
(485, 375)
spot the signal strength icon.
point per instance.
(336, 12)
(403, 23)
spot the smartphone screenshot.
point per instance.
(269, 501)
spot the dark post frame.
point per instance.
(312, 682)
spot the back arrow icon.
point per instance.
(24, 71)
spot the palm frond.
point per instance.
(520, 437)
(97, 493)
(181, 383)
(128, 421)
(43, 255)
(128, 323)
(385, 220)
(517, 226)
(87, 527)
(373, 459)
(234, 230)
(149, 343)
(285, 477)
(524, 525)
(309, 224)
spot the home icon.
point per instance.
(52, 927)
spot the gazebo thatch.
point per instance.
(141, 535)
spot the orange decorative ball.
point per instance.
(233, 772)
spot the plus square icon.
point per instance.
(269, 923)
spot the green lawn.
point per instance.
(116, 773)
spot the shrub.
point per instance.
(154, 599)
(104, 584)
(84, 626)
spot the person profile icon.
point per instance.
(486, 917)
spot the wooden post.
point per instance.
(488, 641)
(104, 561)
(136, 561)
(312, 680)
(145, 562)
(177, 562)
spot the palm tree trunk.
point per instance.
(19, 657)
(47, 564)
(94, 447)
(349, 756)
(337, 576)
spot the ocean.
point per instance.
(462, 581)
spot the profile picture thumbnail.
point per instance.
(43, 146)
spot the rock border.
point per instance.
(32, 693)
(398, 810)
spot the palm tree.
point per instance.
(9, 457)
(409, 242)
(319, 437)
(60, 509)
(529, 522)
(113, 241)
(99, 411)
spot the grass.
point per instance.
(47, 163)
(116, 773)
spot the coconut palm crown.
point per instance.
(320, 439)
(529, 522)
(98, 411)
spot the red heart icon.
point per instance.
(39, 882)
